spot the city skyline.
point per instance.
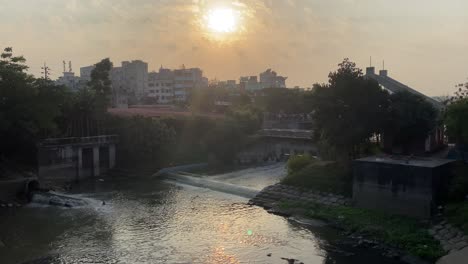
(303, 40)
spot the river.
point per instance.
(155, 221)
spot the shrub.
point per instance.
(298, 162)
(458, 188)
(330, 177)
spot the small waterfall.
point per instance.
(213, 185)
(55, 199)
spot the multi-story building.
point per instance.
(119, 89)
(135, 78)
(270, 79)
(185, 80)
(85, 72)
(250, 83)
(71, 81)
(161, 86)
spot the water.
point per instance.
(152, 221)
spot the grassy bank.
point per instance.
(324, 176)
(457, 214)
(400, 232)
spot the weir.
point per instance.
(213, 185)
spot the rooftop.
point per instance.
(407, 161)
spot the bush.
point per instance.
(457, 214)
(458, 188)
(397, 231)
(298, 162)
(330, 177)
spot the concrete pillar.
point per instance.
(96, 161)
(111, 156)
(79, 163)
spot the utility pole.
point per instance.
(45, 71)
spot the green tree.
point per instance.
(348, 110)
(29, 108)
(456, 120)
(275, 100)
(410, 117)
(101, 85)
(143, 141)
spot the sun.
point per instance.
(222, 20)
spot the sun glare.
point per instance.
(222, 20)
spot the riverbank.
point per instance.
(398, 237)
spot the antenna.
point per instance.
(64, 67)
(46, 71)
(70, 66)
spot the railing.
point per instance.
(286, 133)
(79, 140)
(287, 117)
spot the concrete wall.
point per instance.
(275, 149)
(66, 163)
(398, 189)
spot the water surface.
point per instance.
(152, 221)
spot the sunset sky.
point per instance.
(424, 42)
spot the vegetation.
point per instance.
(299, 162)
(458, 189)
(456, 120)
(143, 142)
(405, 233)
(410, 117)
(289, 101)
(29, 109)
(457, 214)
(322, 176)
(344, 118)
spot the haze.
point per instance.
(301, 39)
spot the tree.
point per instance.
(143, 141)
(29, 108)
(348, 110)
(276, 100)
(410, 118)
(101, 85)
(456, 120)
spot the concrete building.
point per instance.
(434, 141)
(270, 79)
(401, 185)
(120, 91)
(135, 78)
(85, 72)
(71, 81)
(161, 86)
(250, 83)
(185, 80)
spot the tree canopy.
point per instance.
(29, 107)
(349, 109)
(456, 120)
(410, 117)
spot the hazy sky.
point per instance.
(424, 42)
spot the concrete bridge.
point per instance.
(75, 158)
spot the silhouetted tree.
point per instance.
(348, 110)
(410, 117)
(29, 108)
